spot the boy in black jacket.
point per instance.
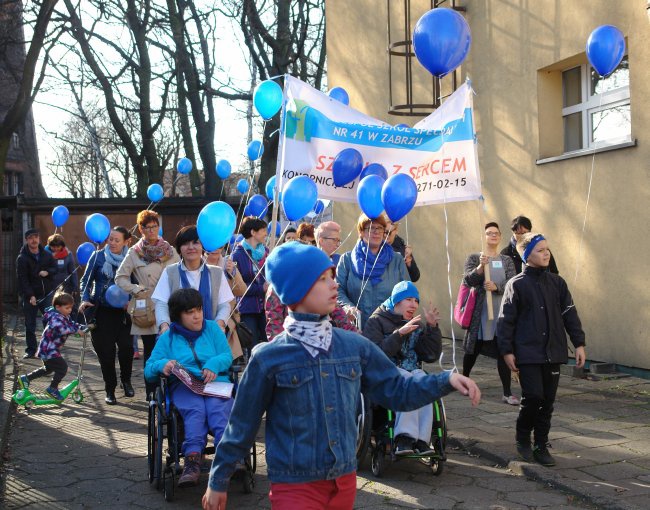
(395, 328)
(536, 310)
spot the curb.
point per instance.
(543, 475)
(8, 377)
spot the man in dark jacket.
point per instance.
(520, 226)
(536, 311)
(403, 249)
(34, 268)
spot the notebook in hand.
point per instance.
(212, 389)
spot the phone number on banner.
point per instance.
(441, 184)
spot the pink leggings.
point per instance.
(335, 494)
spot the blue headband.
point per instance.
(531, 246)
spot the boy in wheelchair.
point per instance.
(201, 347)
(395, 328)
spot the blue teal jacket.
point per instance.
(311, 405)
(211, 348)
(93, 282)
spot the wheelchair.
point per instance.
(165, 423)
(376, 433)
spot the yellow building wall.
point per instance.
(513, 45)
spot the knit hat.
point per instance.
(401, 291)
(293, 268)
(31, 232)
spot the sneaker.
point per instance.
(54, 393)
(191, 471)
(404, 445)
(511, 400)
(23, 382)
(423, 448)
(29, 355)
(543, 456)
(525, 451)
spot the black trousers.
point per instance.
(113, 335)
(148, 343)
(56, 365)
(31, 311)
(257, 324)
(489, 349)
(538, 390)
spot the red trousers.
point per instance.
(335, 494)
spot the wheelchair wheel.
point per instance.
(155, 448)
(169, 483)
(437, 466)
(151, 446)
(364, 428)
(247, 481)
(378, 460)
(252, 459)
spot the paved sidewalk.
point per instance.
(600, 435)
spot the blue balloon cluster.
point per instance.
(97, 227)
(267, 99)
(605, 49)
(441, 40)
(215, 225)
(184, 166)
(340, 95)
(60, 215)
(242, 186)
(347, 166)
(155, 192)
(116, 297)
(255, 150)
(84, 251)
(299, 197)
(398, 195)
(223, 169)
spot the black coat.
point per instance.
(536, 313)
(400, 247)
(27, 269)
(512, 252)
(381, 327)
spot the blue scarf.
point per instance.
(257, 253)
(190, 336)
(204, 288)
(112, 261)
(363, 260)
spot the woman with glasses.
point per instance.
(367, 274)
(480, 338)
(328, 239)
(139, 274)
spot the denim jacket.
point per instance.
(311, 405)
(94, 282)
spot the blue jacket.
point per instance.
(211, 348)
(94, 283)
(311, 406)
(373, 295)
(253, 300)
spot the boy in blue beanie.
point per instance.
(395, 328)
(308, 382)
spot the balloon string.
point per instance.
(451, 299)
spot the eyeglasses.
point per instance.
(493, 234)
(335, 239)
(375, 228)
(150, 228)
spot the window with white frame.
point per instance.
(596, 111)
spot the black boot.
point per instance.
(128, 389)
(110, 398)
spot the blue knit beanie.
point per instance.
(401, 291)
(293, 268)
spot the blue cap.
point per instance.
(401, 291)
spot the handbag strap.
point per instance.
(196, 358)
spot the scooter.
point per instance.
(23, 396)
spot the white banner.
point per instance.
(439, 152)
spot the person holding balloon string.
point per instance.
(113, 331)
(66, 274)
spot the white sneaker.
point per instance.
(511, 400)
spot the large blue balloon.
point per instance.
(84, 251)
(605, 49)
(398, 195)
(215, 224)
(299, 197)
(223, 169)
(347, 166)
(374, 169)
(340, 94)
(155, 192)
(184, 166)
(60, 215)
(242, 186)
(257, 205)
(441, 40)
(270, 184)
(97, 227)
(369, 196)
(255, 150)
(116, 297)
(267, 99)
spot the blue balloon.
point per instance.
(257, 205)
(255, 150)
(116, 297)
(267, 99)
(605, 49)
(278, 228)
(373, 169)
(398, 195)
(215, 224)
(441, 40)
(155, 192)
(319, 207)
(247, 211)
(369, 196)
(299, 197)
(242, 186)
(270, 184)
(347, 166)
(403, 126)
(84, 251)
(340, 94)
(223, 169)
(184, 166)
(160, 231)
(97, 227)
(60, 215)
